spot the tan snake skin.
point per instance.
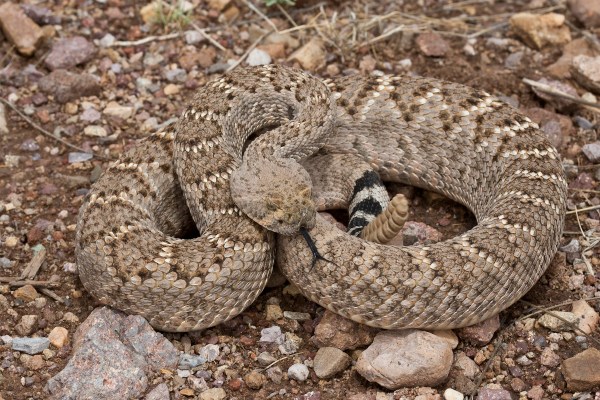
(440, 136)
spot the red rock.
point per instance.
(586, 11)
(581, 371)
(432, 44)
(336, 331)
(481, 333)
(19, 29)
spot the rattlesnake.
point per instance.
(249, 130)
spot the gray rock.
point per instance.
(297, 316)
(258, 57)
(176, 75)
(110, 346)
(30, 345)
(69, 52)
(189, 361)
(467, 366)
(592, 151)
(66, 86)
(77, 157)
(298, 372)
(160, 392)
(90, 115)
(406, 358)
(265, 359)
(5, 262)
(193, 37)
(275, 374)
(565, 323)
(107, 40)
(210, 352)
(272, 335)
(329, 361)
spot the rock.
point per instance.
(562, 67)
(3, 125)
(339, 332)
(481, 333)
(311, 56)
(405, 359)
(90, 115)
(538, 31)
(581, 372)
(549, 358)
(213, 394)
(27, 325)
(555, 324)
(77, 157)
(258, 57)
(193, 37)
(58, 336)
(210, 352)
(275, 374)
(19, 29)
(26, 293)
(414, 233)
(451, 394)
(558, 85)
(432, 44)
(95, 131)
(493, 394)
(329, 361)
(255, 380)
(291, 344)
(586, 71)
(35, 363)
(160, 392)
(298, 372)
(41, 15)
(297, 316)
(218, 5)
(273, 312)
(114, 109)
(171, 89)
(66, 86)
(30, 345)
(272, 335)
(69, 52)
(586, 11)
(110, 346)
(449, 336)
(466, 365)
(588, 317)
(274, 50)
(189, 361)
(536, 393)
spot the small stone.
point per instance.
(536, 393)
(291, 345)
(586, 11)
(11, 241)
(218, 5)
(114, 109)
(171, 89)
(329, 361)
(189, 361)
(5, 262)
(210, 352)
(26, 293)
(493, 394)
(19, 29)
(26, 325)
(311, 56)
(518, 385)
(58, 336)
(549, 358)
(272, 335)
(296, 316)
(30, 345)
(95, 131)
(77, 157)
(451, 394)
(3, 125)
(298, 372)
(406, 358)
(538, 31)
(258, 57)
(588, 317)
(193, 37)
(107, 40)
(556, 325)
(66, 86)
(449, 336)
(586, 71)
(35, 363)
(482, 332)
(432, 44)
(160, 392)
(255, 380)
(69, 52)
(187, 392)
(273, 312)
(275, 374)
(265, 359)
(466, 365)
(581, 371)
(213, 394)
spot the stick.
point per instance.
(207, 37)
(51, 294)
(263, 16)
(31, 270)
(48, 134)
(252, 47)
(125, 43)
(558, 93)
(591, 208)
(17, 282)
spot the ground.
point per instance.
(42, 181)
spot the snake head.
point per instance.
(276, 194)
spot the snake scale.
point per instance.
(259, 149)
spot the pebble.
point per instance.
(406, 358)
(275, 374)
(3, 125)
(432, 44)
(557, 325)
(95, 131)
(339, 332)
(213, 394)
(586, 11)
(493, 394)
(258, 57)
(26, 293)
(581, 372)
(77, 157)
(27, 325)
(586, 71)
(160, 392)
(5, 262)
(69, 52)
(107, 40)
(329, 361)
(30, 345)
(540, 30)
(189, 361)
(193, 37)
(481, 333)
(19, 29)
(273, 312)
(451, 394)
(171, 89)
(298, 372)
(588, 317)
(272, 335)
(265, 359)
(296, 316)
(255, 380)
(311, 56)
(449, 336)
(210, 352)
(114, 109)
(66, 86)
(549, 358)
(58, 336)
(11, 241)
(291, 345)
(466, 365)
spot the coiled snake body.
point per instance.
(244, 144)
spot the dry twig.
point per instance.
(148, 39)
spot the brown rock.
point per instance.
(311, 56)
(27, 325)
(586, 11)
(341, 333)
(206, 56)
(26, 293)
(329, 361)
(255, 380)
(66, 86)
(58, 336)
(588, 317)
(586, 71)
(35, 362)
(448, 335)
(19, 29)
(69, 52)
(432, 44)
(218, 5)
(275, 50)
(482, 332)
(538, 31)
(561, 68)
(581, 371)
